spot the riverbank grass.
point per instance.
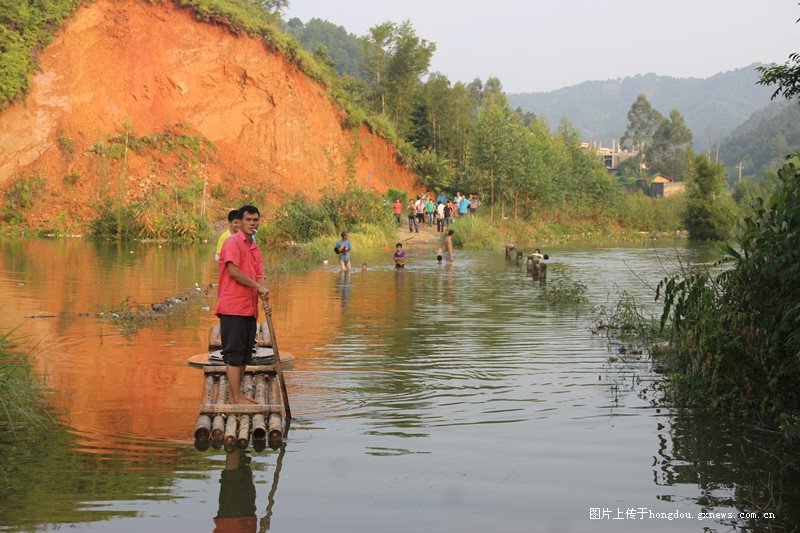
(22, 399)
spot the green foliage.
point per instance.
(645, 213)
(396, 59)
(345, 50)
(115, 222)
(707, 215)
(22, 399)
(20, 197)
(786, 77)
(174, 139)
(643, 120)
(26, 26)
(761, 142)
(66, 145)
(71, 179)
(301, 221)
(393, 194)
(670, 149)
(735, 335)
(560, 289)
(476, 233)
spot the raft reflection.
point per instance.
(237, 494)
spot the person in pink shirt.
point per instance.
(397, 210)
(241, 282)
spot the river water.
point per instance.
(429, 399)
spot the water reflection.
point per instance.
(237, 495)
(452, 396)
(737, 468)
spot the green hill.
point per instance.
(762, 142)
(713, 107)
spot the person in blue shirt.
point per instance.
(441, 198)
(343, 248)
(463, 206)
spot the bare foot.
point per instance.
(242, 400)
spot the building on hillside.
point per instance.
(663, 186)
(611, 157)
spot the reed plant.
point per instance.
(23, 400)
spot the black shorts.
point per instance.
(238, 338)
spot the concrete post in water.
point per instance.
(509, 249)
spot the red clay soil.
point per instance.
(151, 66)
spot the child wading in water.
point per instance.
(399, 256)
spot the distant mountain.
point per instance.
(762, 142)
(713, 107)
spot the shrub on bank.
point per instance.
(734, 335)
(476, 233)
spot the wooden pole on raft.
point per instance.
(282, 382)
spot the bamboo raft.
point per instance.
(267, 421)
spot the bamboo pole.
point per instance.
(272, 396)
(247, 387)
(208, 391)
(259, 428)
(202, 429)
(241, 409)
(261, 389)
(220, 369)
(244, 432)
(278, 363)
(222, 391)
(218, 429)
(275, 424)
(230, 430)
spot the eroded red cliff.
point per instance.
(146, 67)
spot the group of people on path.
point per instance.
(441, 211)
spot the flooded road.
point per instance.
(429, 399)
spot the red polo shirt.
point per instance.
(234, 298)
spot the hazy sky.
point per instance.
(538, 45)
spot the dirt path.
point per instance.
(427, 237)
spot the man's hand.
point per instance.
(263, 292)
